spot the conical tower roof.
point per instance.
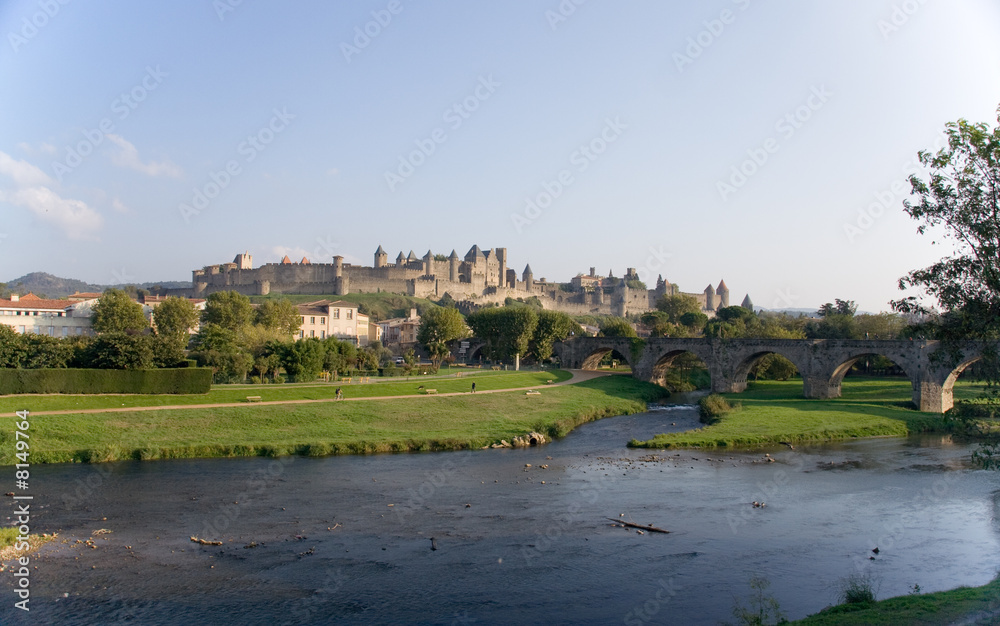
(286, 260)
(305, 261)
(454, 255)
(474, 253)
(412, 257)
(747, 303)
(380, 250)
(722, 287)
(710, 289)
(527, 269)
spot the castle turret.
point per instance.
(428, 264)
(400, 259)
(710, 298)
(381, 258)
(338, 266)
(528, 278)
(412, 258)
(723, 292)
(453, 263)
(341, 282)
(747, 303)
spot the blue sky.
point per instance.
(763, 143)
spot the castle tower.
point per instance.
(341, 282)
(747, 303)
(453, 262)
(710, 298)
(381, 258)
(338, 266)
(528, 278)
(428, 264)
(400, 259)
(412, 258)
(244, 261)
(501, 254)
(723, 293)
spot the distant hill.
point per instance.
(41, 283)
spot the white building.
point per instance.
(55, 318)
(322, 319)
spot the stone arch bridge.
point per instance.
(822, 363)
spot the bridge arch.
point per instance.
(593, 360)
(666, 360)
(841, 370)
(744, 364)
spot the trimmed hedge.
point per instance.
(185, 380)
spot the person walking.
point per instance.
(473, 387)
(340, 394)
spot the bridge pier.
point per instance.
(819, 387)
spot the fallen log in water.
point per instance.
(205, 542)
(650, 528)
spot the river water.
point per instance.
(478, 537)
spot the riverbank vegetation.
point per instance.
(775, 412)
(468, 421)
(978, 605)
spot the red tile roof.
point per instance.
(36, 303)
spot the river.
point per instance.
(480, 537)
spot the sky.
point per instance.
(764, 143)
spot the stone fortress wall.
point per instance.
(480, 276)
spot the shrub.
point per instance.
(714, 406)
(858, 589)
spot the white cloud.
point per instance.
(23, 174)
(43, 148)
(119, 206)
(128, 157)
(74, 217)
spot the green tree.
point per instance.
(552, 326)
(961, 200)
(303, 359)
(676, 306)
(341, 356)
(279, 314)
(115, 312)
(695, 320)
(218, 348)
(175, 317)
(617, 327)
(507, 331)
(42, 351)
(840, 307)
(228, 309)
(121, 351)
(438, 328)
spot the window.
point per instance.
(303, 319)
(52, 331)
(20, 329)
(322, 320)
(302, 334)
(336, 314)
(350, 314)
(312, 320)
(312, 333)
(65, 331)
(322, 334)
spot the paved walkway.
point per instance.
(578, 377)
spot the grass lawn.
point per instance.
(448, 423)
(775, 411)
(943, 607)
(305, 391)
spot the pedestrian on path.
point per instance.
(473, 387)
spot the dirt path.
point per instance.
(579, 376)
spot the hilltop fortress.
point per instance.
(481, 277)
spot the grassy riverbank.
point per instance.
(977, 604)
(221, 394)
(427, 423)
(774, 412)
(8, 539)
